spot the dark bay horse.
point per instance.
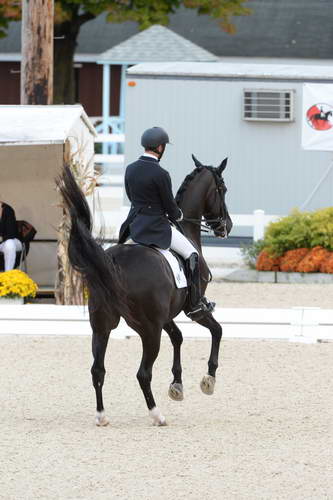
(136, 283)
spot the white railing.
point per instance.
(258, 221)
(107, 158)
(119, 138)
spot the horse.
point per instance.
(136, 283)
(321, 116)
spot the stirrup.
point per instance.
(209, 305)
(200, 310)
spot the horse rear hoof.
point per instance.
(207, 384)
(101, 420)
(176, 392)
(161, 424)
(158, 418)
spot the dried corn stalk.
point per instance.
(69, 286)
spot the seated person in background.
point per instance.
(9, 242)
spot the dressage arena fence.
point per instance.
(297, 324)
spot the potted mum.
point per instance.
(15, 286)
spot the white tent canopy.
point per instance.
(40, 124)
(35, 143)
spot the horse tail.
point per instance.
(86, 253)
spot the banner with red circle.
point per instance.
(317, 119)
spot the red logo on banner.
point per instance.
(320, 116)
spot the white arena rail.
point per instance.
(298, 324)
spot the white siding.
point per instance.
(267, 168)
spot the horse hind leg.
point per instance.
(176, 387)
(150, 348)
(102, 323)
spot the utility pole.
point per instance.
(37, 52)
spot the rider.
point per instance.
(154, 211)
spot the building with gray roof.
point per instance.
(286, 29)
(155, 44)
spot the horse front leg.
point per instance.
(207, 383)
(176, 387)
(101, 324)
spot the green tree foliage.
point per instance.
(9, 11)
(70, 15)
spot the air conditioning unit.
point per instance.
(268, 105)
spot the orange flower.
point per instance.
(266, 262)
(327, 265)
(313, 261)
(291, 259)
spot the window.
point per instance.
(268, 105)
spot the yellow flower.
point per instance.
(16, 283)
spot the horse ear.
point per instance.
(221, 168)
(197, 162)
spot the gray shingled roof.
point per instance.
(156, 44)
(276, 28)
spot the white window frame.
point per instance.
(282, 103)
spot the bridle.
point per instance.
(211, 223)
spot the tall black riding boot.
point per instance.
(197, 305)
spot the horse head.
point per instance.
(215, 211)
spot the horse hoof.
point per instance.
(207, 384)
(158, 418)
(101, 420)
(176, 392)
(161, 424)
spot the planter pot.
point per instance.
(6, 301)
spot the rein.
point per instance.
(206, 222)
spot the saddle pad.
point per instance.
(178, 272)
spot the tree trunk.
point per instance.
(64, 77)
(65, 42)
(37, 52)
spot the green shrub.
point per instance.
(322, 228)
(293, 231)
(251, 252)
(300, 230)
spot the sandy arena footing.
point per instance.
(266, 433)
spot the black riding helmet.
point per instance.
(154, 137)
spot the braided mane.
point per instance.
(188, 179)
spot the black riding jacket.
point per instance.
(8, 226)
(148, 187)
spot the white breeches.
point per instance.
(9, 249)
(180, 244)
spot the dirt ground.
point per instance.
(270, 295)
(266, 433)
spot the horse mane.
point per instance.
(188, 179)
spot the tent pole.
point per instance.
(106, 102)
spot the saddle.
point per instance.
(182, 279)
(175, 261)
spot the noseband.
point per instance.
(210, 223)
